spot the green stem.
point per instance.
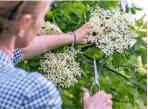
(126, 78)
(87, 46)
(140, 88)
(142, 77)
(117, 73)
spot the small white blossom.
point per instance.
(109, 30)
(50, 29)
(60, 68)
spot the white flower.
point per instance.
(109, 30)
(50, 29)
(61, 68)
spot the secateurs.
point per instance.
(97, 73)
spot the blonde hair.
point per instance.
(30, 7)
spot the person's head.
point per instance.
(21, 20)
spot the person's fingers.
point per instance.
(86, 95)
(109, 96)
(108, 107)
(101, 95)
(109, 102)
(101, 92)
(105, 95)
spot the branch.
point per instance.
(125, 78)
(97, 60)
(140, 88)
(87, 46)
(87, 56)
(142, 77)
(118, 74)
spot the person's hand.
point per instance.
(100, 100)
(81, 33)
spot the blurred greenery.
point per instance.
(124, 75)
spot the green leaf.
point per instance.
(144, 59)
(131, 99)
(141, 49)
(145, 26)
(62, 25)
(76, 13)
(133, 61)
(49, 15)
(117, 59)
(132, 27)
(139, 22)
(133, 11)
(34, 64)
(142, 33)
(136, 8)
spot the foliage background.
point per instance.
(124, 75)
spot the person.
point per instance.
(20, 22)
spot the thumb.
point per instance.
(86, 95)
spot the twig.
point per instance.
(87, 46)
(119, 74)
(142, 77)
(125, 78)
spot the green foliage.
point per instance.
(72, 15)
(124, 75)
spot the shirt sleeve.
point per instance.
(16, 56)
(42, 94)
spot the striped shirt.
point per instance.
(20, 89)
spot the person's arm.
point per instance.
(42, 44)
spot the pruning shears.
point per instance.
(97, 73)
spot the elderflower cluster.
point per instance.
(61, 68)
(50, 29)
(110, 30)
